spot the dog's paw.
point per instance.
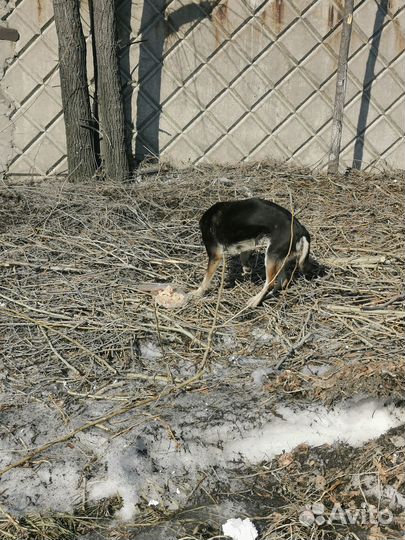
(254, 302)
(197, 293)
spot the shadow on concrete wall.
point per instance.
(153, 31)
(155, 28)
(369, 77)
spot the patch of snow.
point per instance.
(123, 467)
(153, 502)
(146, 463)
(261, 335)
(316, 425)
(259, 374)
(239, 529)
(149, 350)
(354, 423)
(385, 494)
(58, 479)
(228, 340)
(315, 369)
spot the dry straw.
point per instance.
(72, 317)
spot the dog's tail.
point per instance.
(302, 247)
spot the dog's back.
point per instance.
(238, 227)
(234, 225)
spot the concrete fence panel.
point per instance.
(217, 81)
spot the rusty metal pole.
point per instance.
(341, 80)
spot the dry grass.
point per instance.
(59, 526)
(72, 256)
(71, 313)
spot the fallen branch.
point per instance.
(367, 262)
(382, 305)
(43, 267)
(397, 313)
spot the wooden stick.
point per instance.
(365, 262)
(382, 305)
(55, 352)
(214, 321)
(43, 267)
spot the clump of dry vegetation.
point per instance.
(73, 256)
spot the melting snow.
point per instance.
(150, 350)
(240, 530)
(353, 423)
(316, 425)
(144, 472)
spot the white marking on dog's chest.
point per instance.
(247, 245)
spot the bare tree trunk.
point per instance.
(111, 108)
(94, 103)
(75, 94)
(337, 123)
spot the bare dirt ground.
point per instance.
(122, 419)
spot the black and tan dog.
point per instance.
(238, 227)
